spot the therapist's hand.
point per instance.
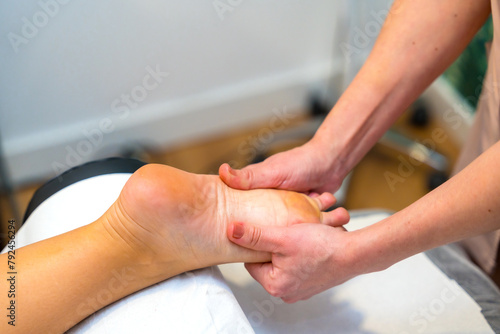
(306, 258)
(308, 169)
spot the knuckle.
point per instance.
(255, 236)
(275, 291)
(247, 178)
(248, 174)
(288, 300)
(280, 289)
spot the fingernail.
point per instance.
(238, 230)
(231, 171)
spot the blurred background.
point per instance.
(196, 84)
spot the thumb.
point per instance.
(251, 177)
(266, 239)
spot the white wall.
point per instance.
(65, 66)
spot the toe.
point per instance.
(337, 217)
(324, 201)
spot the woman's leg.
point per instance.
(164, 222)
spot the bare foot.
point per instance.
(174, 215)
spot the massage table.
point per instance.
(439, 291)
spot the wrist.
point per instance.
(327, 143)
(380, 245)
(370, 251)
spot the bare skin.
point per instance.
(418, 40)
(201, 207)
(164, 222)
(449, 213)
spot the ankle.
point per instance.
(126, 239)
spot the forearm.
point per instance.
(418, 41)
(62, 280)
(465, 206)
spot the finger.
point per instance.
(261, 272)
(337, 217)
(290, 299)
(267, 239)
(301, 293)
(260, 175)
(239, 179)
(265, 274)
(324, 201)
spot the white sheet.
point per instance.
(412, 296)
(193, 302)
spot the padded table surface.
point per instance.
(423, 282)
(417, 295)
